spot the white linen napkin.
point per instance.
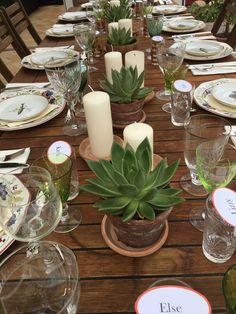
(21, 159)
(233, 131)
(44, 49)
(74, 15)
(62, 28)
(213, 68)
(192, 36)
(39, 85)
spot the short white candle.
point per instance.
(113, 61)
(127, 24)
(99, 123)
(135, 58)
(114, 3)
(112, 25)
(136, 132)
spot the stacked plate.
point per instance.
(169, 9)
(37, 60)
(28, 107)
(206, 50)
(60, 30)
(183, 25)
(218, 97)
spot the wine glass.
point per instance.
(44, 282)
(85, 35)
(60, 166)
(216, 167)
(198, 129)
(169, 57)
(64, 76)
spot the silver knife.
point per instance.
(11, 156)
(13, 165)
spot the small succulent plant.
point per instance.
(116, 13)
(130, 188)
(125, 86)
(120, 37)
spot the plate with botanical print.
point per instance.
(40, 114)
(14, 192)
(60, 30)
(210, 50)
(182, 25)
(169, 9)
(225, 94)
(204, 98)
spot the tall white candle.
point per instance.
(136, 132)
(112, 25)
(115, 3)
(99, 123)
(127, 24)
(113, 61)
(135, 58)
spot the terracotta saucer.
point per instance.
(122, 126)
(156, 159)
(149, 97)
(111, 240)
(85, 149)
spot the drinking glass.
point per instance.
(44, 282)
(85, 35)
(60, 166)
(170, 56)
(30, 207)
(65, 76)
(216, 167)
(154, 24)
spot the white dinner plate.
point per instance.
(225, 94)
(72, 16)
(87, 5)
(23, 107)
(55, 106)
(182, 25)
(225, 51)
(204, 98)
(14, 191)
(36, 61)
(204, 48)
(169, 9)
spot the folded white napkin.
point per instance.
(74, 15)
(191, 35)
(39, 85)
(213, 68)
(233, 131)
(43, 49)
(21, 159)
(62, 28)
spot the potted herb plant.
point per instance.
(126, 95)
(136, 197)
(121, 40)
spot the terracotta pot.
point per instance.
(139, 233)
(123, 114)
(123, 49)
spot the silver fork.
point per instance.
(12, 155)
(209, 67)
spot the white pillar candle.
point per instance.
(99, 123)
(112, 25)
(127, 24)
(113, 61)
(114, 3)
(135, 58)
(136, 132)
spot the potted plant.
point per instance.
(116, 13)
(126, 95)
(121, 40)
(136, 198)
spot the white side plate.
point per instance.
(203, 48)
(225, 94)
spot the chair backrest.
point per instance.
(68, 4)
(7, 38)
(19, 21)
(229, 7)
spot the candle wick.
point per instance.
(91, 88)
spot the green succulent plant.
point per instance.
(125, 86)
(120, 37)
(116, 13)
(128, 185)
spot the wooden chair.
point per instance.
(68, 4)
(229, 7)
(19, 21)
(7, 38)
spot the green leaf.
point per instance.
(139, 179)
(113, 203)
(117, 153)
(146, 210)
(95, 190)
(130, 211)
(109, 188)
(97, 168)
(128, 190)
(161, 200)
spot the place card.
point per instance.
(172, 299)
(224, 202)
(58, 152)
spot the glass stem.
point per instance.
(65, 214)
(70, 116)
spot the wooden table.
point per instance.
(110, 283)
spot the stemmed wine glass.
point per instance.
(198, 129)
(169, 57)
(216, 167)
(60, 166)
(85, 35)
(64, 74)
